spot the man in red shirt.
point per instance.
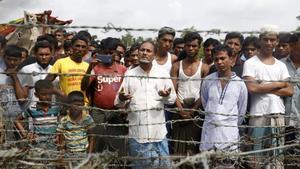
(103, 86)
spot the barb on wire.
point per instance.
(291, 80)
(111, 26)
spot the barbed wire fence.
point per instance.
(204, 157)
(33, 157)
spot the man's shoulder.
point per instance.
(252, 60)
(29, 67)
(122, 68)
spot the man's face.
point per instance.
(24, 56)
(165, 42)
(76, 109)
(207, 51)
(59, 36)
(268, 42)
(250, 51)
(80, 48)
(235, 45)
(11, 62)
(192, 48)
(222, 61)
(44, 95)
(134, 57)
(43, 56)
(283, 49)
(146, 53)
(295, 49)
(178, 48)
(121, 50)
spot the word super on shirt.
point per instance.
(107, 80)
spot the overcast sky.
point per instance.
(227, 15)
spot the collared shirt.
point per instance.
(292, 104)
(231, 101)
(146, 104)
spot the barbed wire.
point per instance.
(174, 110)
(290, 80)
(111, 26)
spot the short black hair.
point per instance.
(61, 30)
(134, 47)
(50, 38)
(190, 36)
(75, 96)
(122, 45)
(13, 51)
(284, 37)
(211, 41)
(42, 84)
(86, 34)
(177, 41)
(109, 43)
(220, 48)
(24, 50)
(295, 37)
(233, 35)
(79, 37)
(251, 40)
(42, 44)
(67, 44)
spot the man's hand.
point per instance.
(185, 114)
(11, 72)
(32, 137)
(123, 96)
(165, 92)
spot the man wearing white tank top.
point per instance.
(164, 59)
(187, 76)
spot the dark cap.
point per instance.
(166, 30)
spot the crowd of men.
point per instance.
(69, 91)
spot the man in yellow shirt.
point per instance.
(71, 69)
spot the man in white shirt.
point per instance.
(146, 93)
(267, 107)
(40, 65)
(225, 101)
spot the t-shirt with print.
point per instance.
(108, 80)
(75, 133)
(70, 83)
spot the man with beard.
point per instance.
(40, 65)
(71, 69)
(145, 96)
